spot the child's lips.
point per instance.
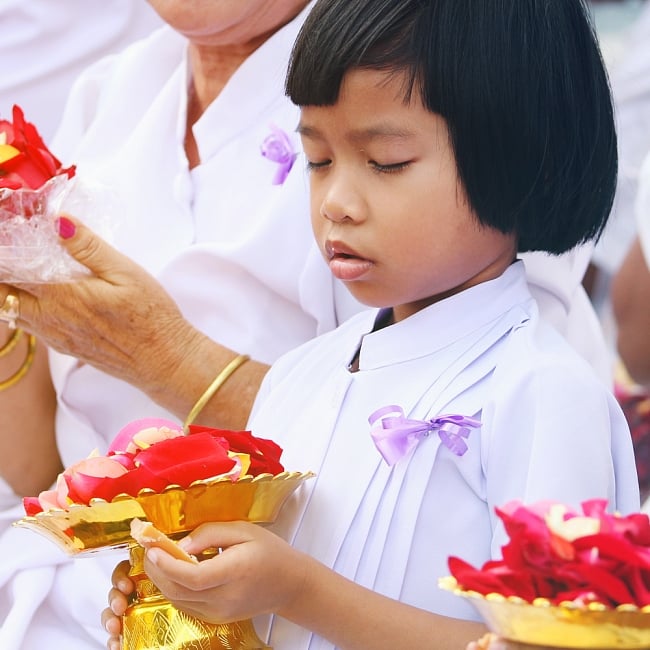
(344, 262)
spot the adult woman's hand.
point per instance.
(111, 319)
(106, 318)
(121, 320)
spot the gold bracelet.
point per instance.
(22, 371)
(11, 343)
(218, 382)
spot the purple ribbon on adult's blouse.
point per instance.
(395, 436)
(278, 148)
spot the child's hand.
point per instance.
(486, 642)
(118, 602)
(257, 572)
(493, 642)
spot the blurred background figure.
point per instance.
(623, 28)
(630, 294)
(46, 43)
(618, 278)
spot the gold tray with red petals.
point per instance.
(566, 625)
(175, 511)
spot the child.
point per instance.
(442, 138)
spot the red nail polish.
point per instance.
(65, 227)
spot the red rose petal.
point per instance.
(186, 459)
(32, 506)
(264, 454)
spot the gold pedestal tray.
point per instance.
(566, 625)
(151, 622)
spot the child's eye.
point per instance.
(389, 169)
(312, 166)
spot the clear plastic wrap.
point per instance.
(35, 189)
(30, 248)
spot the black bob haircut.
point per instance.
(520, 83)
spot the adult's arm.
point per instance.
(29, 460)
(631, 305)
(122, 321)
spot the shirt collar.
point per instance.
(445, 322)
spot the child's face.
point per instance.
(388, 210)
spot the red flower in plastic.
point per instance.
(25, 160)
(562, 555)
(154, 453)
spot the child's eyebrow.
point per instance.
(308, 131)
(375, 132)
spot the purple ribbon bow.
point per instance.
(395, 436)
(277, 148)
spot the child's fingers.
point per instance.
(117, 602)
(147, 535)
(217, 535)
(120, 578)
(111, 623)
(486, 642)
(163, 568)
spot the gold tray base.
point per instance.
(151, 622)
(155, 626)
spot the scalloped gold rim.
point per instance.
(449, 583)
(174, 510)
(594, 626)
(148, 492)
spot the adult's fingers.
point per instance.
(91, 250)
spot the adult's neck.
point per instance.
(211, 68)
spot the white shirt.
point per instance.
(550, 430)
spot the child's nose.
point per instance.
(332, 211)
(341, 203)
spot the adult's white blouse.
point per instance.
(47, 43)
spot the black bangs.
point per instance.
(343, 34)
